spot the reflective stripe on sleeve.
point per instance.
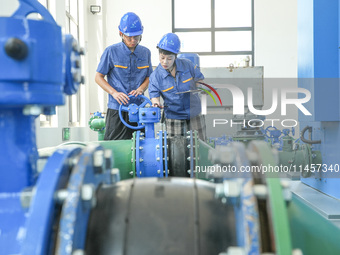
(125, 67)
(142, 67)
(187, 80)
(168, 89)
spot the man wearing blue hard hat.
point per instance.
(127, 67)
(174, 79)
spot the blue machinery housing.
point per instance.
(78, 205)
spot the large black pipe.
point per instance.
(178, 216)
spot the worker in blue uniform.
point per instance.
(127, 67)
(174, 80)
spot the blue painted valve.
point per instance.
(38, 68)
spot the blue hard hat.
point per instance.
(130, 24)
(170, 42)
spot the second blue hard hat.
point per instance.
(170, 42)
(130, 24)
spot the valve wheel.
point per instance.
(268, 129)
(127, 109)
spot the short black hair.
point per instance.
(165, 52)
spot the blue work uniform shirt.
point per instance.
(162, 83)
(125, 70)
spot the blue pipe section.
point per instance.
(38, 67)
(318, 71)
(27, 81)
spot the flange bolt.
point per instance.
(16, 48)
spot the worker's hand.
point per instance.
(136, 92)
(157, 105)
(121, 97)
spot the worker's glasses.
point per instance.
(136, 38)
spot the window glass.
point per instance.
(72, 28)
(67, 6)
(192, 13)
(224, 60)
(195, 41)
(233, 41)
(231, 13)
(229, 36)
(74, 9)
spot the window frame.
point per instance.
(45, 120)
(213, 30)
(69, 18)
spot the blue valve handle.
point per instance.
(287, 131)
(28, 6)
(126, 109)
(270, 130)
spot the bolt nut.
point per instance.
(77, 63)
(81, 51)
(233, 250)
(26, 197)
(78, 252)
(88, 194)
(61, 195)
(77, 77)
(75, 45)
(115, 175)
(16, 48)
(232, 188)
(297, 252)
(260, 191)
(228, 189)
(98, 158)
(108, 153)
(71, 162)
(33, 110)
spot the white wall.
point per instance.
(276, 37)
(276, 49)
(155, 16)
(8, 7)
